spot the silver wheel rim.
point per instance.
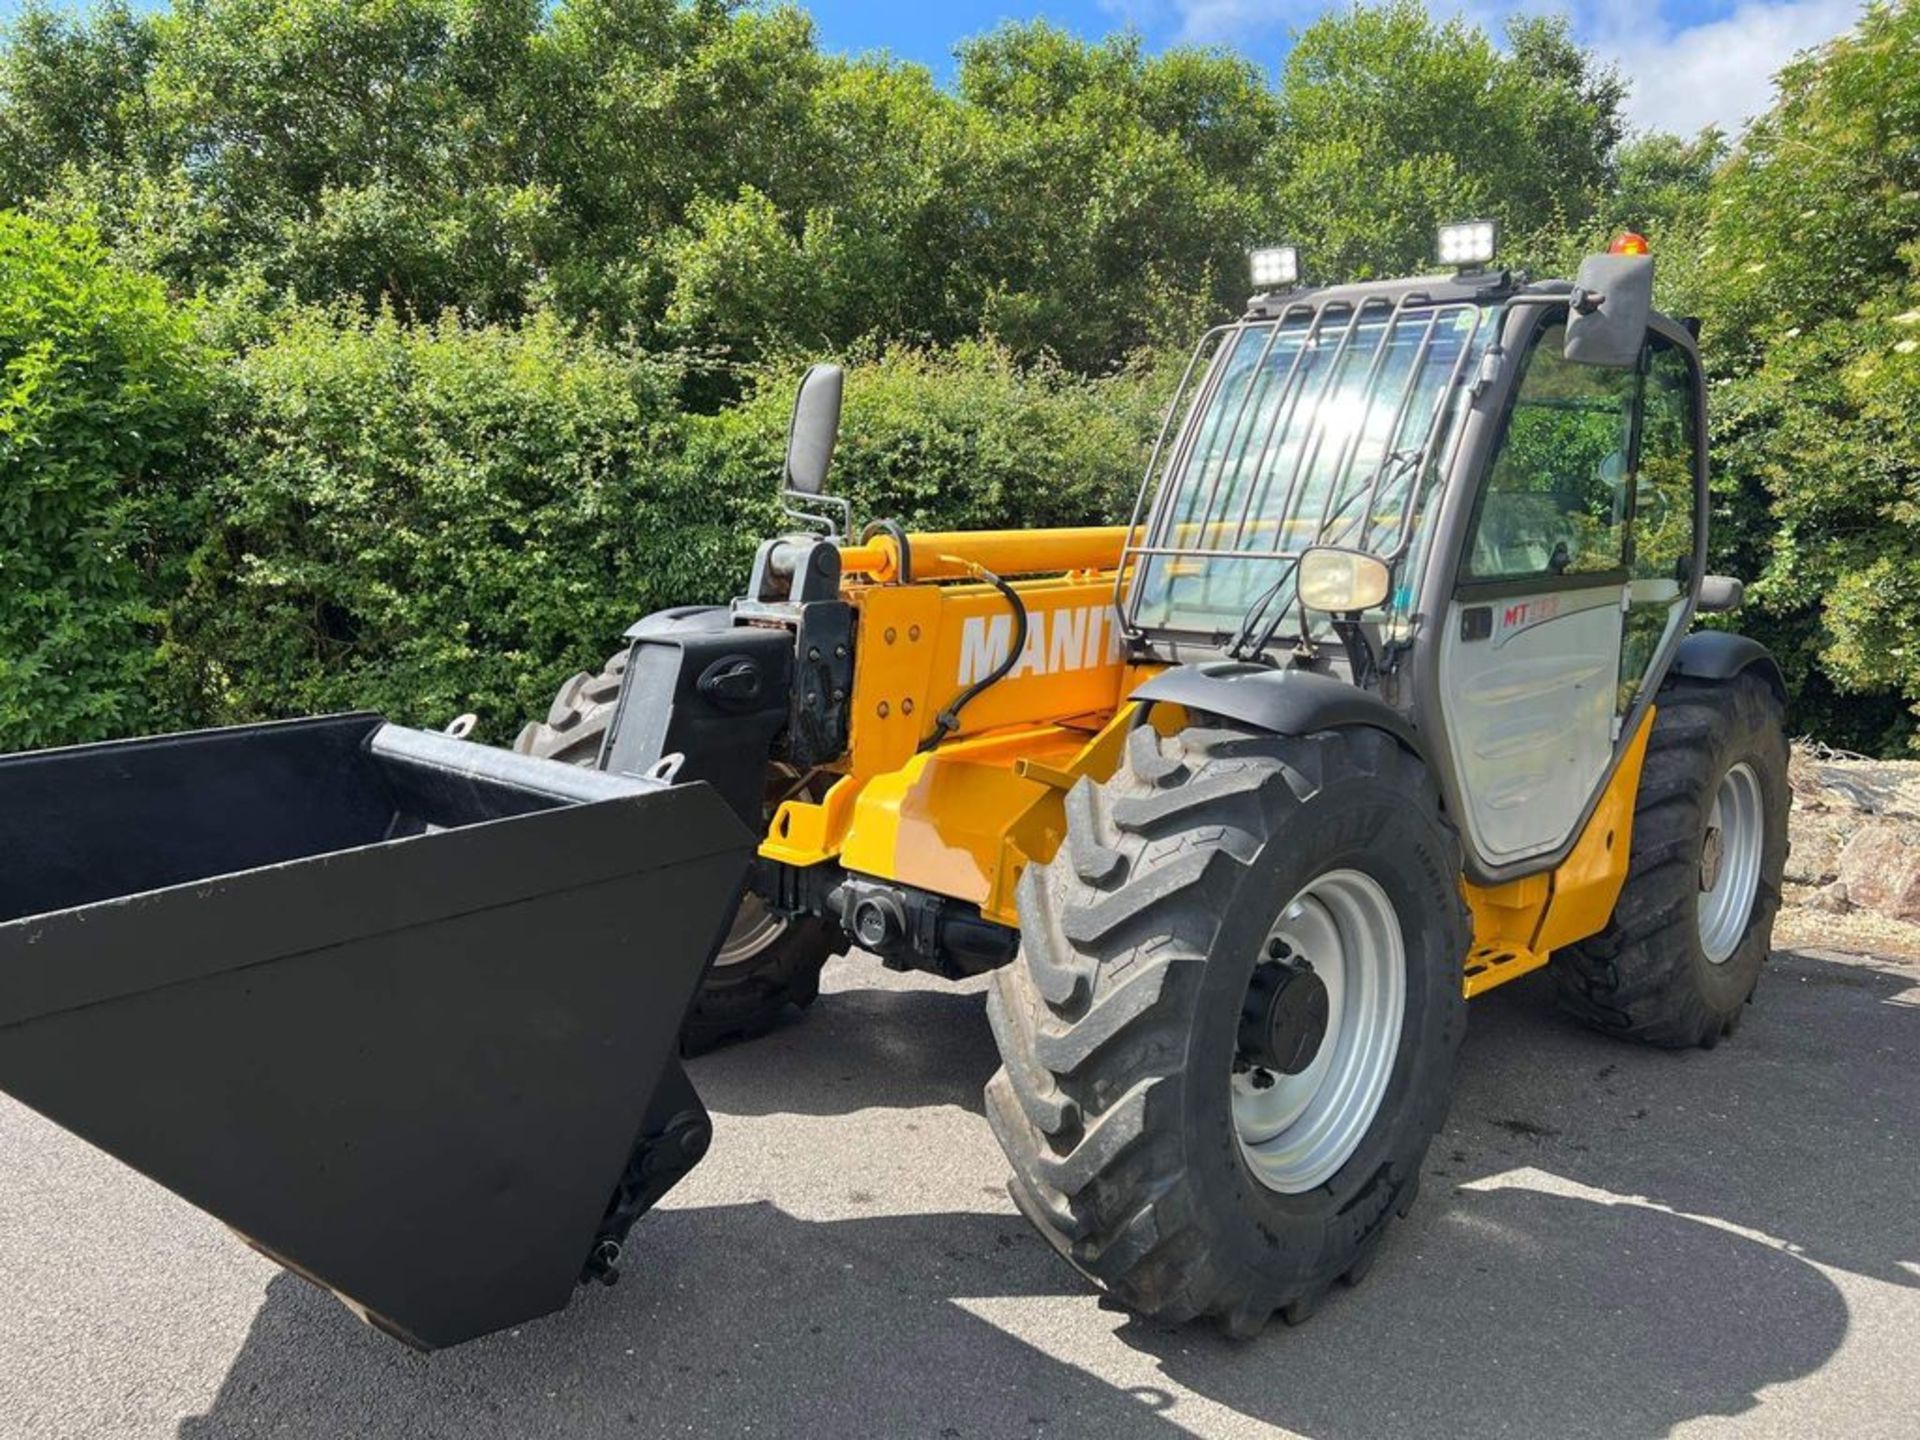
(1297, 1131)
(1730, 862)
(754, 928)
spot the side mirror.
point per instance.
(1720, 594)
(814, 429)
(1342, 581)
(1607, 317)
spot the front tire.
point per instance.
(1681, 955)
(1131, 1022)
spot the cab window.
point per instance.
(1661, 570)
(1557, 497)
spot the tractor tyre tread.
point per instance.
(1093, 1024)
(783, 978)
(1645, 976)
(578, 720)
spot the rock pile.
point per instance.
(1853, 875)
(1856, 833)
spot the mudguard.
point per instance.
(1721, 655)
(1283, 702)
(400, 1009)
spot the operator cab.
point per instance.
(1472, 475)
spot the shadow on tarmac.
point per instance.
(1499, 1307)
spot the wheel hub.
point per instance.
(1710, 852)
(1283, 1020)
(1318, 1030)
(1732, 851)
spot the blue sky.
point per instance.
(1691, 62)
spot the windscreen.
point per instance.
(1314, 428)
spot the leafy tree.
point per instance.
(71, 93)
(1114, 196)
(646, 108)
(1812, 288)
(1071, 199)
(1394, 123)
(696, 174)
(355, 147)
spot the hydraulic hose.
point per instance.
(948, 719)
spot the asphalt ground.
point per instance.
(1611, 1241)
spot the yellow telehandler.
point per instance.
(1385, 694)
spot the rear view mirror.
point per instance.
(1607, 317)
(814, 429)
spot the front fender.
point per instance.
(1281, 702)
(1721, 655)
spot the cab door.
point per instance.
(1531, 656)
(1574, 585)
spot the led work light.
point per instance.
(1468, 243)
(1276, 267)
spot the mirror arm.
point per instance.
(1361, 656)
(830, 516)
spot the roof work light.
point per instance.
(1276, 267)
(1468, 243)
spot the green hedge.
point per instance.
(426, 520)
(331, 511)
(960, 439)
(102, 399)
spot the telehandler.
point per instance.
(1384, 696)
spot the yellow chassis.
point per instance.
(964, 818)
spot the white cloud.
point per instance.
(1227, 22)
(1684, 77)
(1720, 73)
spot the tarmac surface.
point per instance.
(1611, 1241)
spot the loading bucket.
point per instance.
(401, 1009)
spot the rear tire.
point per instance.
(1678, 961)
(578, 719)
(776, 969)
(1122, 1036)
